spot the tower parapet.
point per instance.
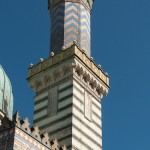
(70, 20)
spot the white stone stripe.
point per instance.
(87, 140)
(94, 107)
(78, 94)
(80, 105)
(98, 113)
(91, 124)
(87, 130)
(97, 103)
(78, 86)
(98, 121)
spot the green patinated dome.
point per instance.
(6, 96)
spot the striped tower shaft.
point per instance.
(70, 21)
(69, 87)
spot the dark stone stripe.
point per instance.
(96, 124)
(65, 107)
(96, 106)
(87, 136)
(78, 109)
(59, 110)
(66, 97)
(40, 119)
(77, 98)
(95, 132)
(65, 137)
(96, 115)
(56, 121)
(46, 116)
(40, 109)
(69, 147)
(65, 88)
(41, 100)
(60, 129)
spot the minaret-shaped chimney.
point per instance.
(68, 85)
(70, 21)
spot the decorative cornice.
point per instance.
(63, 56)
(86, 79)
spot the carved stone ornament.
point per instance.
(52, 76)
(95, 84)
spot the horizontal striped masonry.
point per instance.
(70, 22)
(65, 95)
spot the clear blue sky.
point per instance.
(120, 43)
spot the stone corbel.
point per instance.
(38, 84)
(92, 83)
(56, 75)
(74, 66)
(79, 70)
(66, 70)
(101, 91)
(47, 80)
(86, 77)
